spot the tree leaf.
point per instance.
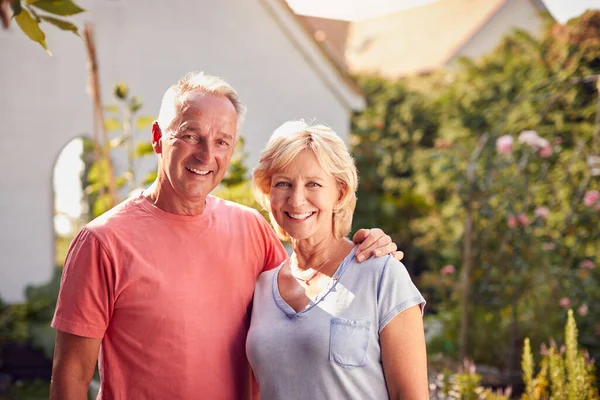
(144, 121)
(150, 178)
(143, 149)
(16, 7)
(101, 205)
(31, 28)
(118, 141)
(57, 7)
(61, 24)
(112, 125)
(111, 108)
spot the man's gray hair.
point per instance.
(201, 83)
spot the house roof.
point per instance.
(330, 69)
(417, 40)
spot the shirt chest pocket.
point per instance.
(348, 342)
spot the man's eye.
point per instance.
(189, 139)
(222, 143)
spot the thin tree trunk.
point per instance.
(101, 146)
(465, 280)
(467, 264)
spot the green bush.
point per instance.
(565, 373)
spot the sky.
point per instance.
(562, 10)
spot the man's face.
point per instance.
(196, 149)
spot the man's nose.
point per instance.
(203, 152)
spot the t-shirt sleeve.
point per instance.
(274, 251)
(86, 298)
(396, 292)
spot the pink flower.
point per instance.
(583, 310)
(588, 264)
(548, 246)
(565, 302)
(523, 219)
(545, 148)
(448, 270)
(542, 212)
(529, 138)
(512, 221)
(504, 144)
(558, 140)
(591, 197)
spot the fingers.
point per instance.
(361, 235)
(377, 243)
(399, 255)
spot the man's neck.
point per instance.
(160, 197)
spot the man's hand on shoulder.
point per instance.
(374, 242)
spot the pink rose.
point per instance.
(542, 212)
(591, 197)
(565, 302)
(529, 138)
(448, 270)
(523, 219)
(504, 144)
(545, 148)
(583, 310)
(588, 264)
(548, 246)
(512, 221)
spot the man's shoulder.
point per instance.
(122, 214)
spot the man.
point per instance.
(158, 289)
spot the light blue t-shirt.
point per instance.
(330, 349)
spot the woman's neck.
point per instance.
(314, 253)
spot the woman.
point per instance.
(324, 327)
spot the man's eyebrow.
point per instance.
(226, 135)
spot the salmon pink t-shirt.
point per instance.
(169, 295)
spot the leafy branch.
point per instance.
(28, 14)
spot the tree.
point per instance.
(531, 228)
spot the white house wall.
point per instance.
(149, 45)
(516, 14)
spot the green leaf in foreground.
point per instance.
(16, 7)
(61, 23)
(58, 7)
(31, 28)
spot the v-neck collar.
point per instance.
(288, 310)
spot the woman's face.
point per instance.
(303, 196)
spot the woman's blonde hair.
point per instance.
(285, 144)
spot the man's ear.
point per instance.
(156, 138)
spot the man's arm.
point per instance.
(374, 242)
(73, 366)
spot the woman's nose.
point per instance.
(297, 197)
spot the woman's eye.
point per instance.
(282, 184)
(313, 184)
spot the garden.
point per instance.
(487, 176)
